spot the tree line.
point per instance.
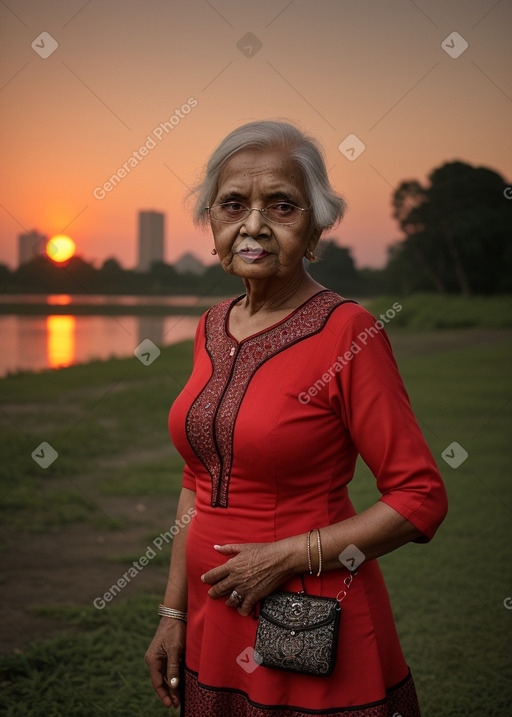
(456, 238)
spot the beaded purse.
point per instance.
(298, 632)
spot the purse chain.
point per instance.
(347, 582)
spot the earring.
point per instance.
(213, 251)
(312, 258)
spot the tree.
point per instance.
(111, 267)
(457, 231)
(336, 269)
(5, 277)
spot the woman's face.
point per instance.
(256, 248)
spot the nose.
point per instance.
(255, 224)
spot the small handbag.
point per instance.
(298, 632)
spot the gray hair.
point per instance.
(327, 206)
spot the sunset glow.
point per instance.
(381, 77)
(60, 340)
(60, 248)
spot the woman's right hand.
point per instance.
(163, 658)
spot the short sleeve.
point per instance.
(370, 398)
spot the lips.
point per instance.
(250, 250)
(250, 255)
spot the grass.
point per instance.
(447, 596)
(52, 507)
(161, 558)
(156, 477)
(88, 413)
(420, 312)
(93, 668)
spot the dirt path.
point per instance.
(73, 565)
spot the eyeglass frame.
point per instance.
(261, 211)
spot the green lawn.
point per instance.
(421, 312)
(448, 596)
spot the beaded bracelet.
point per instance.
(171, 612)
(319, 553)
(310, 566)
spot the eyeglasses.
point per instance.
(279, 213)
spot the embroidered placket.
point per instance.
(212, 416)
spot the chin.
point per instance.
(239, 267)
(254, 272)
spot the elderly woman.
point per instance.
(290, 383)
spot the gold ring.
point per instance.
(175, 681)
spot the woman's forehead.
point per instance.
(273, 168)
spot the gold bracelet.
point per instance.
(171, 612)
(319, 553)
(309, 553)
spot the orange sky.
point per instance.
(373, 69)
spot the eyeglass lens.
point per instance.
(281, 213)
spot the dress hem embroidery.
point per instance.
(202, 699)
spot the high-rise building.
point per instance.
(151, 239)
(29, 246)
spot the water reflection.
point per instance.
(35, 342)
(151, 327)
(59, 299)
(60, 340)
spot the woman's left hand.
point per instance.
(254, 571)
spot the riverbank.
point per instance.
(418, 311)
(104, 305)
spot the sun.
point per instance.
(60, 248)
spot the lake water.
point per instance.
(41, 342)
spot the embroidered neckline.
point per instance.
(211, 419)
(269, 328)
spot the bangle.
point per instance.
(310, 566)
(170, 612)
(319, 553)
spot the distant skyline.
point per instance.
(113, 107)
(29, 245)
(151, 239)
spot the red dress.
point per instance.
(270, 428)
